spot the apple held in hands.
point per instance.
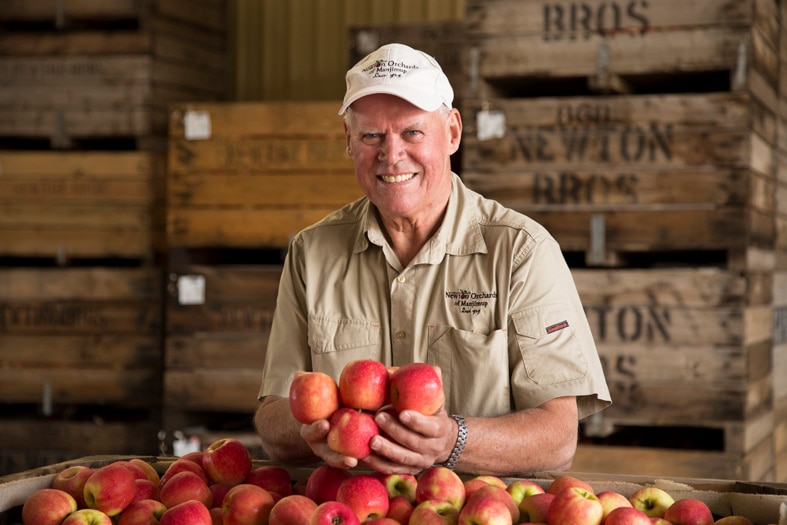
(313, 396)
(227, 461)
(350, 432)
(363, 384)
(417, 386)
(47, 507)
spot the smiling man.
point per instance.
(424, 269)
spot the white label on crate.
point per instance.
(491, 124)
(196, 125)
(191, 289)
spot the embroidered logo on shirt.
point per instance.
(557, 326)
(471, 302)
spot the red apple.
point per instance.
(417, 386)
(627, 516)
(653, 501)
(401, 508)
(435, 512)
(564, 481)
(188, 513)
(484, 510)
(611, 500)
(146, 489)
(575, 505)
(313, 396)
(333, 513)
(195, 456)
(110, 489)
(497, 492)
(350, 432)
(247, 504)
(734, 519)
(185, 486)
(143, 470)
(142, 512)
(535, 507)
(227, 461)
(180, 465)
(47, 507)
(219, 491)
(689, 511)
(522, 488)
(385, 520)
(323, 483)
(294, 509)
(366, 495)
(474, 483)
(273, 478)
(87, 517)
(400, 485)
(363, 384)
(440, 483)
(659, 521)
(72, 480)
(215, 515)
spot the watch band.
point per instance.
(459, 446)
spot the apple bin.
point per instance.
(763, 503)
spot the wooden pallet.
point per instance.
(63, 206)
(610, 176)
(83, 72)
(81, 336)
(217, 326)
(603, 47)
(250, 175)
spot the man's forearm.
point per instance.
(533, 440)
(280, 432)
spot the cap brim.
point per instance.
(423, 100)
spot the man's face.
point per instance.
(402, 155)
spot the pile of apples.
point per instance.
(221, 486)
(365, 386)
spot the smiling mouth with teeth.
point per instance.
(397, 178)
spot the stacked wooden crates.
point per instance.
(644, 136)
(84, 95)
(242, 179)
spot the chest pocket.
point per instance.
(335, 342)
(550, 352)
(474, 368)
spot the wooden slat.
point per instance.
(230, 391)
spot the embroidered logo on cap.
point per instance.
(557, 326)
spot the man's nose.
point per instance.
(391, 150)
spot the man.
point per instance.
(423, 269)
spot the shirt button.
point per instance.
(401, 279)
(400, 335)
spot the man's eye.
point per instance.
(370, 138)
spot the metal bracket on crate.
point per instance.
(604, 81)
(741, 64)
(598, 239)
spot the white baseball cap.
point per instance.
(400, 70)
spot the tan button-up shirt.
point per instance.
(489, 299)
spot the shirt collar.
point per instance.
(459, 234)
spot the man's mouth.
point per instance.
(397, 178)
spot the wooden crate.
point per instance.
(217, 325)
(81, 71)
(606, 47)
(687, 349)
(78, 205)
(616, 176)
(250, 175)
(81, 336)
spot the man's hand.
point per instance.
(316, 436)
(411, 443)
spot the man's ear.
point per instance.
(454, 130)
